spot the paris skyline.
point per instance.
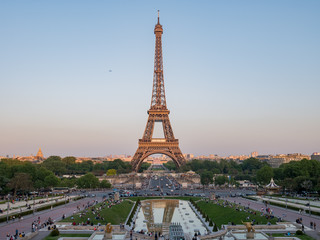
(76, 77)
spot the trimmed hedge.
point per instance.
(133, 211)
(55, 232)
(215, 228)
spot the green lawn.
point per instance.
(67, 235)
(223, 215)
(115, 215)
(302, 237)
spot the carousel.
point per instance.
(272, 188)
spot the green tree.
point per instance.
(55, 164)
(20, 181)
(291, 170)
(40, 175)
(88, 181)
(299, 183)
(250, 165)
(51, 181)
(288, 184)
(317, 185)
(68, 182)
(264, 174)
(144, 166)
(105, 184)
(3, 184)
(278, 173)
(170, 165)
(307, 185)
(206, 177)
(69, 160)
(220, 180)
(215, 228)
(111, 172)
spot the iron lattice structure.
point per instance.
(158, 112)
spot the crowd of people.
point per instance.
(16, 235)
(35, 225)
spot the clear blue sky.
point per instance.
(240, 76)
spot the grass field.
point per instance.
(223, 215)
(302, 237)
(115, 215)
(67, 235)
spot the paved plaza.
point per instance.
(286, 214)
(22, 206)
(24, 225)
(165, 185)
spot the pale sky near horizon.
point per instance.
(240, 76)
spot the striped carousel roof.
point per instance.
(272, 184)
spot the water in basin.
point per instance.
(114, 237)
(98, 237)
(156, 216)
(241, 236)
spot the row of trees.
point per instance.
(296, 176)
(68, 165)
(17, 176)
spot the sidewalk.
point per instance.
(290, 215)
(296, 205)
(55, 214)
(19, 207)
(23, 203)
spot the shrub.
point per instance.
(211, 223)
(55, 232)
(215, 228)
(299, 232)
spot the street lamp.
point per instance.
(309, 206)
(8, 206)
(34, 203)
(286, 197)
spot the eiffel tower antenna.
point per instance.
(158, 112)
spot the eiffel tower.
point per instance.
(158, 112)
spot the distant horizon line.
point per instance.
(124, 155)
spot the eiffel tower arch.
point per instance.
(158, 112)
